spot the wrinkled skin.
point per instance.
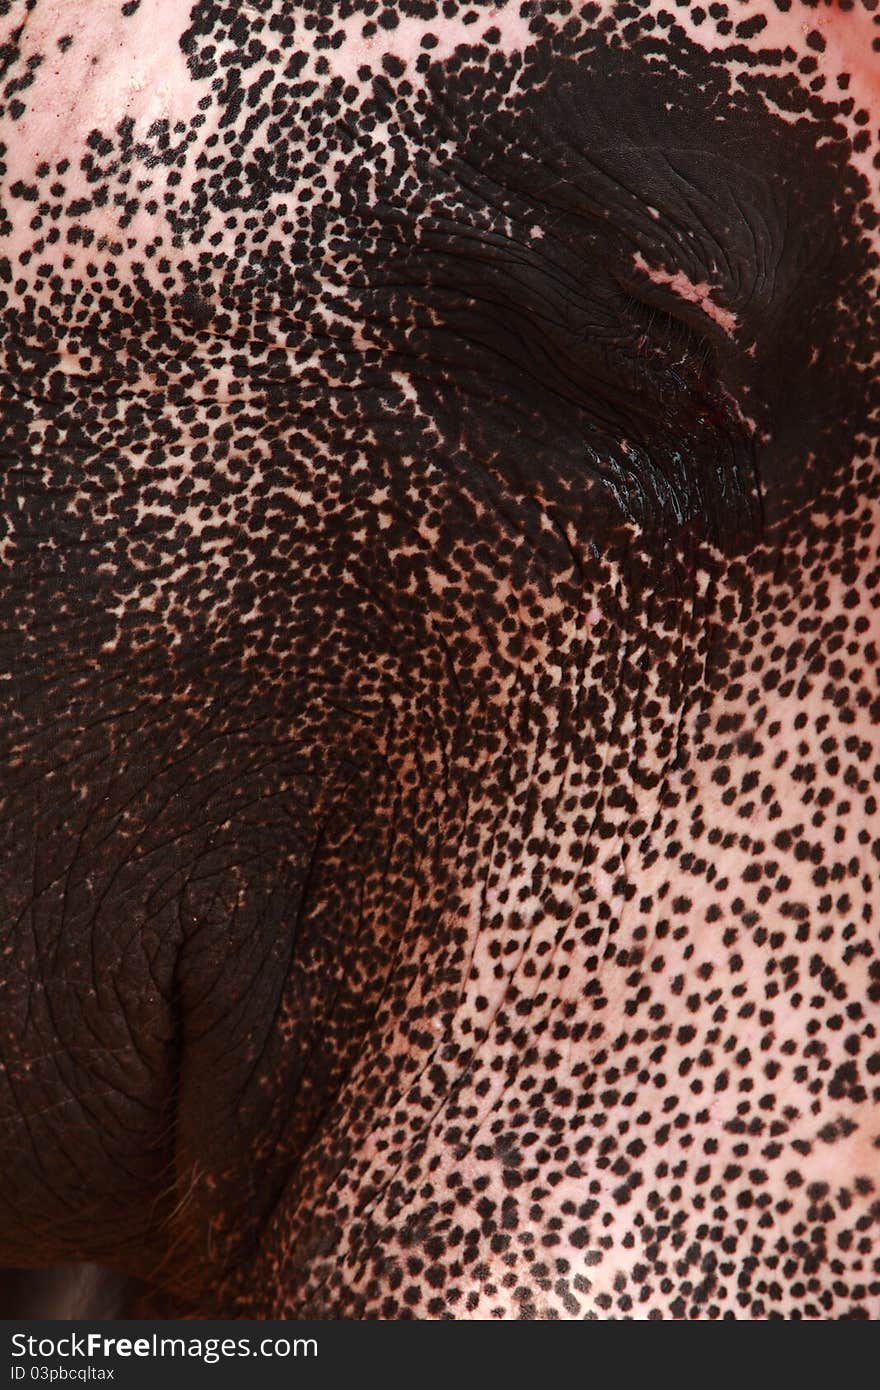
(439, 848)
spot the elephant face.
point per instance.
(439, 852)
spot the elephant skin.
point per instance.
(439, 593)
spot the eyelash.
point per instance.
(664, 329)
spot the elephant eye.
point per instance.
(667, 337)
(687, 452)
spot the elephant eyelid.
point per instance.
(669, 328)
(665, 328)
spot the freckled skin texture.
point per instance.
(439, 706)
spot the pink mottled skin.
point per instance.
(425, 892)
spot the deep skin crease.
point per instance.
(439, 707)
